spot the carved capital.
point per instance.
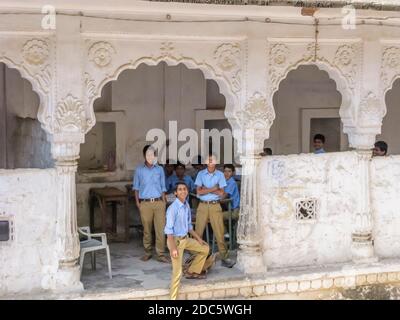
(70, 116)
(255, 121)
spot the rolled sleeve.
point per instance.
(169, 225)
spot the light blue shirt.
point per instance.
(209, 180)
(179, 219)
(173, 180)
(233, 191)
(319, 151)
(150, 182)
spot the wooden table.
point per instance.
(109, 195)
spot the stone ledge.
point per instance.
(273, 285)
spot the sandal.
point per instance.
(145, 258)
(163, 259)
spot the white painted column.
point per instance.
(66, 152)
(362, 242)
(250, 259)
(255, 120)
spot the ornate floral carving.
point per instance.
(278, 57)
(90, 86)
(101, 53)
(312, 52)
(278, 53)
(257, 115)
(371, 110)
(228, 57)
(345, 61)
(391, 57)
(390, 64)
(35, 51)
(167, 49)
(70, 115)
(344, 55)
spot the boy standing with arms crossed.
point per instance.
(177, 228)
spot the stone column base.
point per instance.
(250, 260)
(68, 280)
(363, 251)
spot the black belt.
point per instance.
(151, 199)
(210, 202)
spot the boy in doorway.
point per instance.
(231, 191)
(177, 228)
(210, 185)
(179, 176)
(149, 186)
(380, 149)
(319, 141)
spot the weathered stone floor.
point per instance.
(129, 272)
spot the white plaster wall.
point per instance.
(29, 263)
(385, 191)
(330, 178)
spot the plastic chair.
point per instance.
(93, 245)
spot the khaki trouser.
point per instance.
(201, 252)
(213, 213)
(153, 212)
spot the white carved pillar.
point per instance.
(250, 258)
(65, 150)
(362, 237)
(255, 121)
(362, 138)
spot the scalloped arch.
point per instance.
(25, 74)
(386, 91)
(341, 86)
(208, 71)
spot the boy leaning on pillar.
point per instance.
(178, 227)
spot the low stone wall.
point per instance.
(29, 263)
(291, 188)
(385, 199)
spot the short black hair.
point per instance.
(147, 147)
(179, 164)
(382, 145)
(181, 183)
(229, 166)
(319, 136)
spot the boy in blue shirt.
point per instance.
(177, 228)
(179, 176)
(210, 185)
(149, 186)
(231, 191)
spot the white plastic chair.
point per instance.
(93, 245)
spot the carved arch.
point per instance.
(232, 102)
(342, 85)
(44, 120)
